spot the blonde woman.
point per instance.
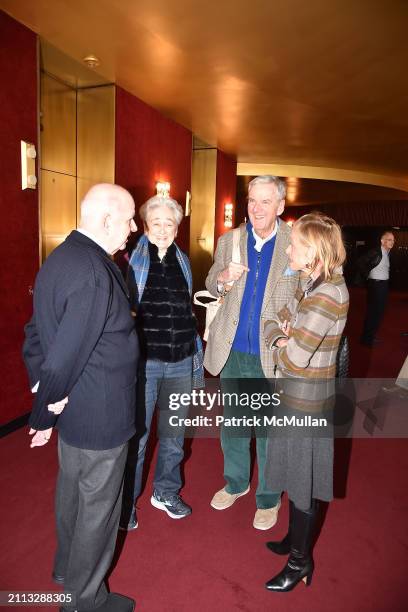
(303, 340)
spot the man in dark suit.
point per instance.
(374, 267)
(81, 354)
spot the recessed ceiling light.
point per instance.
(91, 61)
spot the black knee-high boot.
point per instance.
(283, 547)
(300, 563)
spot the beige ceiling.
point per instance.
(317, 88)
(311, 192)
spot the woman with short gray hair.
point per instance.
(160, 284)
(161, 202)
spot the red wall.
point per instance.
(150, 147)
(19, 209)
(225, 191)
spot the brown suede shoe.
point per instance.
(223, 500)
(265, 518)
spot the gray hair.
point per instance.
(267, 179)
(158, 201)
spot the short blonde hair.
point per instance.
(324, 235)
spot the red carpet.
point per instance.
(387, 357)
(216, 559)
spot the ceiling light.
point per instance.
(91, 61)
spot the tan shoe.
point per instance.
(265, 518)
(223, 500)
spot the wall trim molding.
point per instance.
(320, 172)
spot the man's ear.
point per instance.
(107, 222)
(281, 208)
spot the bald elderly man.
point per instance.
(81, 354)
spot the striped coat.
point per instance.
(300, 459)
(317, 317)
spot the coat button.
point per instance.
(235, 322)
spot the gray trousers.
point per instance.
(87, 504)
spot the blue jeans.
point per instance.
(156, 381)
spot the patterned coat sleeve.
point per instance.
(272, 327)
(220, 263)
(316, 316)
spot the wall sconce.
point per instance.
(290, 222)
(163, 189)
(228, 213)
(292, 187)
(188, 204)
(28, 155)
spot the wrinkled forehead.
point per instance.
(263, 191)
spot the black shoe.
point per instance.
(116, 603)
(132, 523)
(57, 578)
(300, 564)
(297, 569)
(113, 603)
(283, 547)
(280, 548)
(170, 503)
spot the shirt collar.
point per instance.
(91, 237)
(259, 242)
(311, 284)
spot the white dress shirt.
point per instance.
(382, 271)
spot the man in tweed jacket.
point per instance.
(254, 290)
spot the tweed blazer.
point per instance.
(317, 318)
(279, 289)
